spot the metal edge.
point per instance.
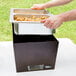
(33, 34)
(29, 9)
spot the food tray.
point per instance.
(17, 11)
(34, 27)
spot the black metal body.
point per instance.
(34, 51)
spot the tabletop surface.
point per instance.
(65, 62)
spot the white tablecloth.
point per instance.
(65, 63)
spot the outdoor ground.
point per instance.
(67, 30)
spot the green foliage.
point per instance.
(67, 30)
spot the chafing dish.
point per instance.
(25, 25)
(35, 47)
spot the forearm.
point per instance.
(68, 16)
(56, 3)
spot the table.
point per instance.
(65, 63)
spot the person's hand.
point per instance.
(53, 22)
(38, 6)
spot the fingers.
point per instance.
(37, 7)
(34, 8)
(55, 25)
(50, 25)
(46, 23)
(43, 21)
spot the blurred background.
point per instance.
(67, 30)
